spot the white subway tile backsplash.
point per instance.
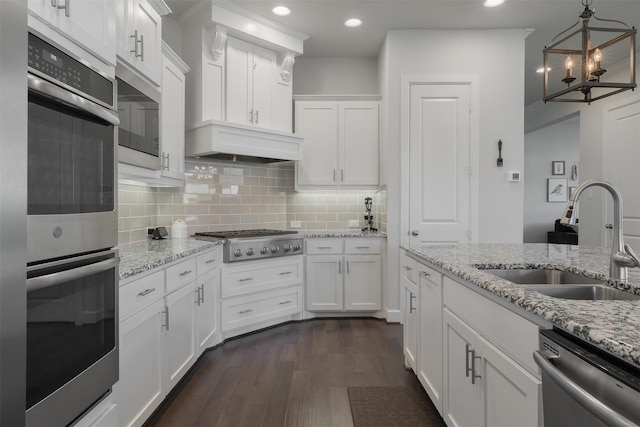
(221, 195)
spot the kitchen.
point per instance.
(162, 207)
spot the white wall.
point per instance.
(496, 57)
(560, 141)
(335, 76)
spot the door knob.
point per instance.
(609, 226)
(415, 233)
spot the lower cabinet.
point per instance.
(411, 326)
(343, 275)
(168, 317)
(484, 386)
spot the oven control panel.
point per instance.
(250, 249)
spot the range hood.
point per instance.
(230, 141)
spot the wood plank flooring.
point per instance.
(295, 374)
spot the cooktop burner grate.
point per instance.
(235, 234)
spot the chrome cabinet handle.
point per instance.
(415, 233)
(608, 226)
(467, 350)
(200, 295)
(470, 368)
(251, 116)
(411, 298)
(146, 292)
(324, 247)
(284, 273)
(55, 4)
(339, 267)
(363, 247)
(284, 302)
(406, 267)
(246, 279)
(166, 313)
(164, 164)
(142, 47)
(185, 273)
(424, 274)
(209, 261)
(347, 266)
(257, 116)
(134, 36)
(245, 311)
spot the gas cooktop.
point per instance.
(244, 245)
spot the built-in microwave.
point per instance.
(139, 130)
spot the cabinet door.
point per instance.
(148, 23)
(89, 24)
(262, 85)
(359, 143)
(172, 127)
(463, 403)
(140, 390)
(180, 334)
(511, 393)
(324, 283)
(430, 354)
(239, 76)
(317, 122)
(362, 283)
(411, 326)
(207, 313)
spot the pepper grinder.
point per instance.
(368, 217)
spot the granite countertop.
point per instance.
(138, 257)
(612, 325)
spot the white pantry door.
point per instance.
(623, 153)
(439, 150)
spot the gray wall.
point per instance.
(559, 141)
(335, 76)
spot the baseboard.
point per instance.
(394, 316)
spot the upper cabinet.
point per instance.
(90, 24)
(139, 36)
(341, 144)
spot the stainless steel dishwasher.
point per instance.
(584, 386)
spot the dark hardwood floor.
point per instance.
(295, 374)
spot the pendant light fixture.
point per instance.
(576, 63)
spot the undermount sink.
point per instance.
(562, 284)
(542, 277)
(584, 292)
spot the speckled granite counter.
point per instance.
(139, 257)
(611, 325)
(359, 234)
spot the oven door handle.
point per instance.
(580, 395)
(56, 93)
(48, 280)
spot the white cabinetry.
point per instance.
(90, 24)
(251, 77)
(341, 144)
(489, 372)
(172, 105)
(163, 330)
(256, 294)
(139, 35)
(343, 274)
(411, 303)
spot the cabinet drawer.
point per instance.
(362, 246)
(208, 261)
(428, 274)
(408, 267)
(245, 311)
(139, 293)
(181, 273)
(323, 246)
(259, 276)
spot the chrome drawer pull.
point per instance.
(284, 273)
(285, 302)
(166, 311)
(185, 273)
(424, 274)
(246, 279)
(324, 247)
(210, 261)
(245, 311)
(363, 247)
(406, 267)
(146, 292)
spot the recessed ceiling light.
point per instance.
(281, 10)
(353, 22)
(493, 3)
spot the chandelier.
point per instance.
(575, 64)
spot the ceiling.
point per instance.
(323, 21)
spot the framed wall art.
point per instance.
(557, 189)
(557, 167)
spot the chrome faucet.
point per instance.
(622, 255)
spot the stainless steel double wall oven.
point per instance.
(72, 268)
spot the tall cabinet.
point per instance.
(341, 143)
